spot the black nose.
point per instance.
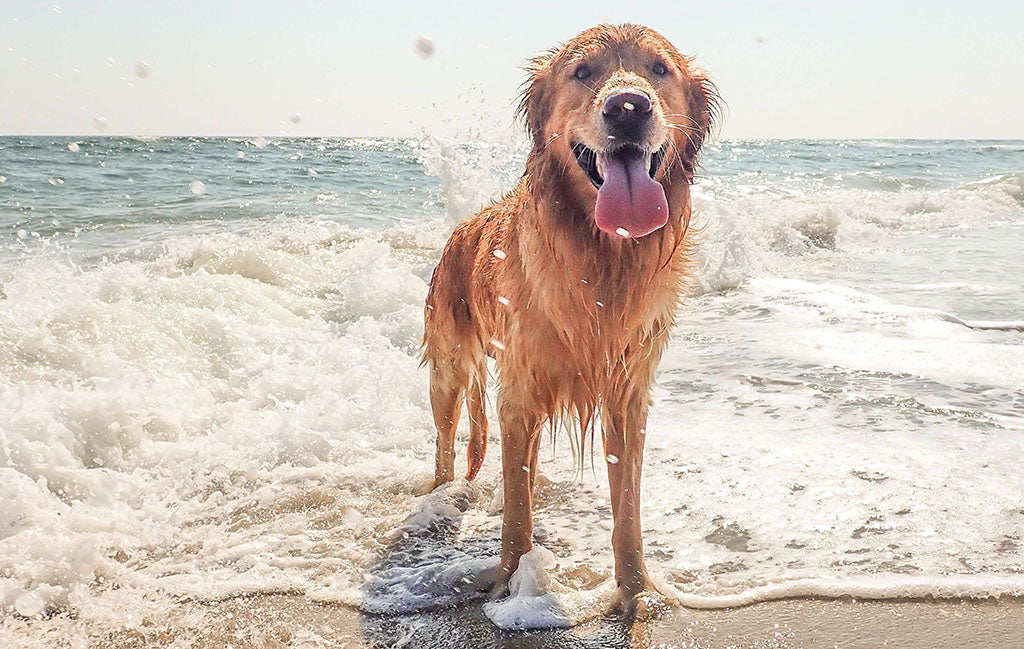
(626, 113)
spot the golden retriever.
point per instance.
(571, 280)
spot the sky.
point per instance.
(800, 69)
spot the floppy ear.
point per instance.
(705, 106)
(534, 97)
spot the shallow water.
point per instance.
(207, 395)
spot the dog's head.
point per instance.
(618, 116)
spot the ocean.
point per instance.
(210, 382)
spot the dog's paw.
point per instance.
(499, 588)
(430, 485)
(493, 581)
(630, 604)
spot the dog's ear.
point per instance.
(534, 96)
(705, 107)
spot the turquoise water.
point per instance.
(210, 381)
(116, 190)
(113, 191)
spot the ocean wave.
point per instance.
(222, 380)
(244, 412)
(216, 413)
(760, 235)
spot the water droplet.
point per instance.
(628, 106)
(500, 254)
(622, 232)
(197, 187)
(295, 118)
(498, 344)
(57, 9)
(142, 69)
(601, 304)
(240, 155)
(3, 179)
(110, 62)
(311, 172)
(424, 47)
(100, 123)
(526, 468)
(73, 147)
(502, 299)
(612, 459)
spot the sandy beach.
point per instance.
(278, 621)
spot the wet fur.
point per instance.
(576, 319)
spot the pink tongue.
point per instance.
(630, 203)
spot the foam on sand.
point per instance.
(537, 601)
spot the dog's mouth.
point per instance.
(630, 202)
(593, 164)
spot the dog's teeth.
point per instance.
(622, 232)
(500, 254)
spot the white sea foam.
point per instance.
(537, 601)
(236, 380)
(762, 234)
(237, 413)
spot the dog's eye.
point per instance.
(582, 72)
(659, 69)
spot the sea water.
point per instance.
(210, 382)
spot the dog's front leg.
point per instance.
(624, 449)
(520, 440)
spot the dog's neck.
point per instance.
(557, 210)
(567, 259)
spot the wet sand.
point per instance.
(278, 621)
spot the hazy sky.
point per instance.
(786, 69)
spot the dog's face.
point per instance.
(620, 114)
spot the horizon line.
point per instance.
(405, 137)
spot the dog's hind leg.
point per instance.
(447, 387)
(475, 403)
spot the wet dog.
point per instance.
(571, 280)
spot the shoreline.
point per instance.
(278, 621)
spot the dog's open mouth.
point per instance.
(592, 163)
(630, 202)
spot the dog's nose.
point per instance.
(626, 111)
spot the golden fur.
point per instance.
(576, 318)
